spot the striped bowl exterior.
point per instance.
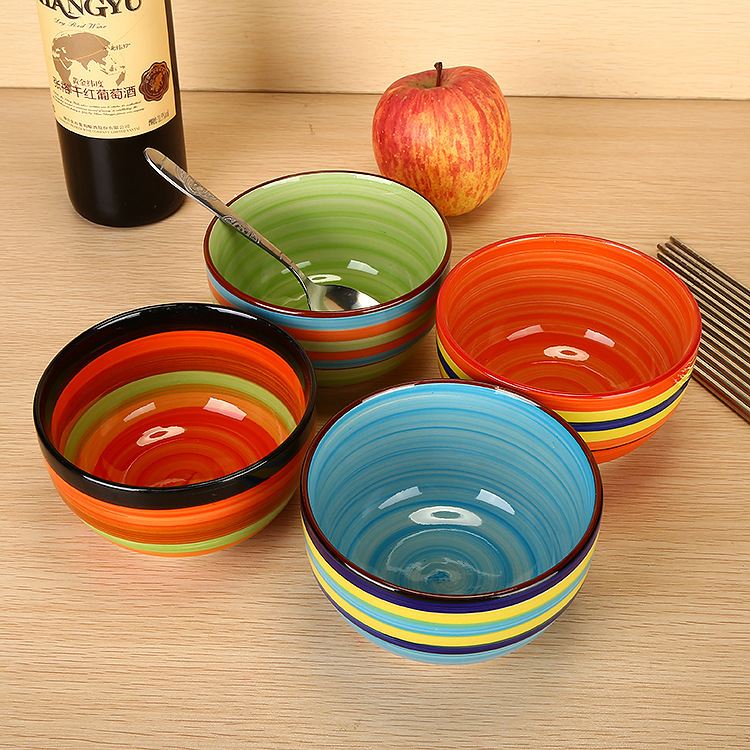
(184, 532)
(446, 634)
(347, 350)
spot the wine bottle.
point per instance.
(114, 87)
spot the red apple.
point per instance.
(446, 134)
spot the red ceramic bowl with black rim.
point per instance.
(177, 429)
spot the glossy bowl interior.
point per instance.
(447, 495)
(357, 229)
(173, 407)
(579, 323)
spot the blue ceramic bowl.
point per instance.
(450, 521)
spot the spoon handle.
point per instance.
(177, 176)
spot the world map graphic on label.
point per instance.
(88, 57)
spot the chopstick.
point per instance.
(723, 363)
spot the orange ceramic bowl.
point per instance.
(177, 429)
(600, 332)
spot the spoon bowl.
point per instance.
(320, 297)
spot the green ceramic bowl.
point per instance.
(361, 230)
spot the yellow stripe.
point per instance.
(593, 436)
(446, 618)
(626, 411)
(429, 639)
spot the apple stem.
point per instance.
(439, 69)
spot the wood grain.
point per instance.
(672, 49)
(104, 648)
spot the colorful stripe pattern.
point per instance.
(601, 333)
(177, 430)
(458, 526)
(361, 230)
(445, 634)
(191, 530)
(353, 350)
(610, 431)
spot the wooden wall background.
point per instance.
(576, 48)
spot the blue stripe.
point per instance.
(353, 603)
(342, 364)
(612, 424)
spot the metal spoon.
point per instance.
(320, 297)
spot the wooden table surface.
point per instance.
(104, 648)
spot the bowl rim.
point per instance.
(322, 315)
(585, 542)
(181, 316)
(672, 374)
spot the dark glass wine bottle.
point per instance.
(114, 87)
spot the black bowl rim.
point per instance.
(573, 556)
(295, 313)
(179, 316)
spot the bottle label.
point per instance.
(109, 65)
